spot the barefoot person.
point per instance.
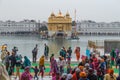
(34, 53)
(46, 51)
(77, 52)
(42, 66)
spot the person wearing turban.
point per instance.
(83, 76)
(110, 75)
(76, 74)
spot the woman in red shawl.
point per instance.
(77, 52)
(26, 74)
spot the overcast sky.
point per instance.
(97, 10)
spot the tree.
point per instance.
(43, 28)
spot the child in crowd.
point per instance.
(36, 70)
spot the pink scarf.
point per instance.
(26, 76)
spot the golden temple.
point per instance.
(59, 24)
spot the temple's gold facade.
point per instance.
(59, 23)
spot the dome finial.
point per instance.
(52, 14)
(60, 12)
(67, 14)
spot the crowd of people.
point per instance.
(91, 66)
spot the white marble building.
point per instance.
(21, 26)
(91, 27)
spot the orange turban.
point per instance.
(111, 71)
(83, 75)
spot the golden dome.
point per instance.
(67, 14)
(52, 14)
(60, 14)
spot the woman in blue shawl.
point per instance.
(88, 53)
(26, 62)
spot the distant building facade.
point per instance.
(59, 24)
(101, 28)
(21, 26)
